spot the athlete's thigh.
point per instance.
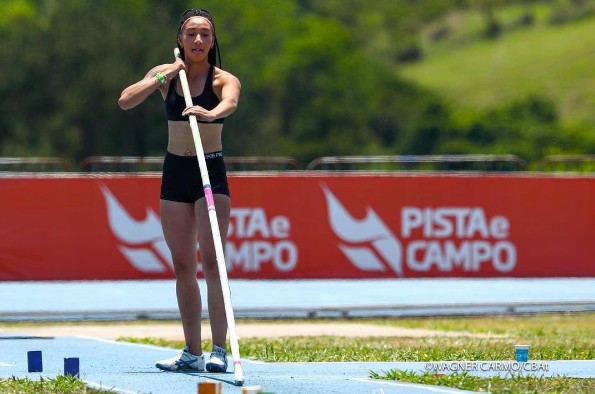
(179, 228)
(205, 235)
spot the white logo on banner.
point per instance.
(274, 247)
(464, 224)
(137, 234)
(371, 230)
(147, 251)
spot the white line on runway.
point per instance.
(153, 347)
(99, 386)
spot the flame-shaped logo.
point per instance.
(137, 233)
(371, 230)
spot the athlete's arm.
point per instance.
(230, 95)
(137, 93)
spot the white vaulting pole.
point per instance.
(233, 337)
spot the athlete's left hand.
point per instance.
(201, 114)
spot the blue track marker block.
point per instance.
(71, 366)
(34, 363)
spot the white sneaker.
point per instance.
(218, 360)
(184, 361)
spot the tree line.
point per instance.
(318, 79)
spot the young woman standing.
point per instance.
(215, 95)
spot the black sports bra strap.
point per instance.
(209, 82)
(172, 86)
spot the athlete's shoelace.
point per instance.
(220, 352)
(182, 363)
(185, 363)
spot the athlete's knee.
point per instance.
(184, 268)
(209, 267)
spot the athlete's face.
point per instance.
(196, 38)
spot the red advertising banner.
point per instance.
(308, 225)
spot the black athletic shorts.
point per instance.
(181, 179)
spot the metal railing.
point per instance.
(262, 163)
(33, 164)
(487, 163)
(121, 164)
(420, 163)
(313, 312)
(568, 163)
(155, 163)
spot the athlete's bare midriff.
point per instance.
(181, 142)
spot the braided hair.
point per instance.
(214, 52)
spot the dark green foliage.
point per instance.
(527, 127)
(318, 79)
(572, 10)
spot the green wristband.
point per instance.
(161, 78)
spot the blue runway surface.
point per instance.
(129, 368)
(279, 297)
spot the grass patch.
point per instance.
(468, 26)
(494, 385)
(545, 60)
(520, 326)
(329, 348)
(551, 336)
(59, 385)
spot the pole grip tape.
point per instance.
(209, 197)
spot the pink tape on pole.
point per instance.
(237, 363)
(209, 196)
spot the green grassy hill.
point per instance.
(554, 61)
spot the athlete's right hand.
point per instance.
(175, 68)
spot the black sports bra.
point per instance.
(175, 104)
